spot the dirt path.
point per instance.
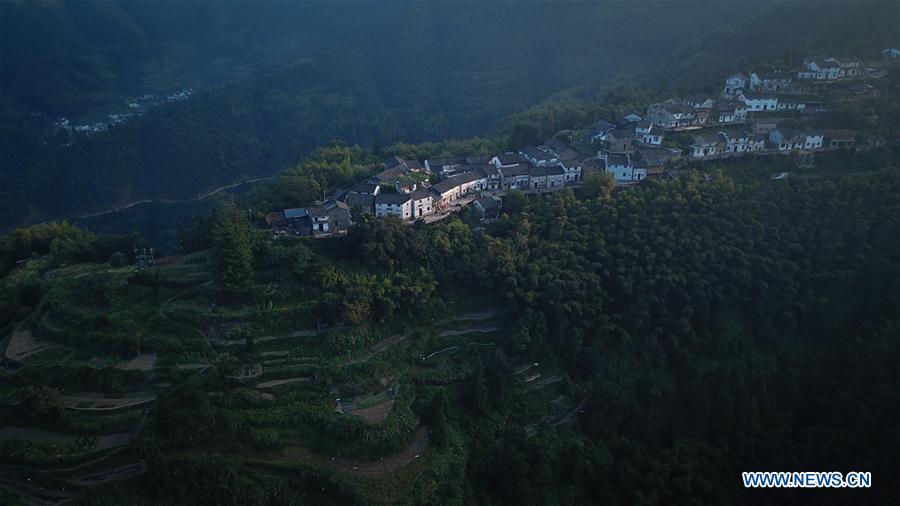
(108, 475)
(274, 383)
(574, 412)
(414, 450)
(103, 403)
(542, 383)
(23, 344)
(386, 343)
(182, 201)
(263, 339)
(376, 413)
(469, 330)
(471, 316)
(375, 349)
(143, 362)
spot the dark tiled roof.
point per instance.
(538, 171)
(477, 159)
(468, 177)
(317, 211)
(557, 144)
(511, 158)
(556, 170)
(538, 154)
(602, 125)
(619, 134)
(440, 163)
(393, 162)
(298, 212)
(364, 188)
(421, 193)
(360, 200)
(733, 134)
(488, 169)
(392, 173)
(570, 154)
(489, 203)
(447, 185)
(592, 163)
(700, 140)
(392, 198)
(515, 170)
(615, 159)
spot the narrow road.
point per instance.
(182, 201)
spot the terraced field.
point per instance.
(298, 400)
(148, 354)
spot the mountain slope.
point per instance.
(417, 72)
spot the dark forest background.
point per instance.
(273, 81)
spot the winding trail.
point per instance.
(416, 448)
(172, 201)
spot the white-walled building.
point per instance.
(735, 84)
(621, 168)
(786, 139)
(759, 102)
(813, 140)
(393, 204)
(704, 146)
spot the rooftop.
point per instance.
(395, 199)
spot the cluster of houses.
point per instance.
(630, 149)
(735, 123)
(410, 190)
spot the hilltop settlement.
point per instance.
(759, 113)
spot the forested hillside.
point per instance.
(415, 72)
(631, 347)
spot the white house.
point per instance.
(704, 146)
(770, 81)
(443, 166)
(599, 129)
(791, 104)
(757, 142)
(393, 204)
(508, 160)
(556, 176)
(673, 114)
(539, 157)
(699, 101)
(813, 140)
(421, 203)
(848, 67)
(472, 181)
(891, 53)
(621, 168)
(514, 177)
(734, 141)
(571, 162)
(736, 84)
(729, 112)
(827, 70)
(787, 140)
(645, 132)
(756, 102)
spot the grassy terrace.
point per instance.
(117, 359)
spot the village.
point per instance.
(755, 113)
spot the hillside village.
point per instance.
(755, 113)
